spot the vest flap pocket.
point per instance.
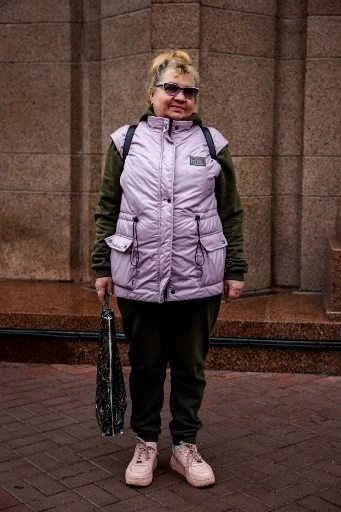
(118, 242)
(213, 241)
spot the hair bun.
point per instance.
(177, 59)
(181, 57)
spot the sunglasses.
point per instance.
(173, 89)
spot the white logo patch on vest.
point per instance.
(197, 160)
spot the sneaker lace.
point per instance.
(194, 456)
(143, 451)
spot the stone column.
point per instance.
(288, 143)
(91, 161)
(332, 286)
(321, 189)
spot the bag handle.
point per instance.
(106, 300)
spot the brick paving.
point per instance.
(273, 440)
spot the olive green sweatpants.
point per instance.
(175, 334)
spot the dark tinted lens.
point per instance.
(172, 89)
(190, 92)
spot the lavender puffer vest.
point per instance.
(168, 244)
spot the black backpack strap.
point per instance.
(210, 143)
(128, 139)
(132, 128)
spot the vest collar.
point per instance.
(163, 123)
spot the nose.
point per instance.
(183, 97)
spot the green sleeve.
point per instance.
(107, 211)
(230, 211)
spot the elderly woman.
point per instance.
(168, 243)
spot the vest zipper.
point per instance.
(170, 126)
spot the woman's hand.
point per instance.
(103, 285)
(232, 289)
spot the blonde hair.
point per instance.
(178, 60)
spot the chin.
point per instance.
(178, 116)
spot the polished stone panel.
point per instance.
(324, 36)
(110, 8)
(88, 237)
(285, 236)
(17, 11)
(288, 108)
(291, 36)
(92, 10)
(249, 6)
(314, 239)
(124, 93)
(332, 288)
(224, 30)
(92, 42)
(288, 175)
(324, 8)
(92, 97)
(175, 25)
(321, 177)
(257, 233)
(119, 35)
(250, 359)
(92, 173)
(35, 172)
(22, 107)
(35, 42)
(35, 235)
(253, 175)
(322, 134)
(229, 107)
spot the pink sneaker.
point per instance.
(187, 461)
(141, 467)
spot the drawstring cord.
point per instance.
(199, 251)
(134, 254)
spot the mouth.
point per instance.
(178, 108)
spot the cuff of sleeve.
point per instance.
(235, 276)
(103, 273)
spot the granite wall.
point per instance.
(73, 71)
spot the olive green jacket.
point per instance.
(228, 205)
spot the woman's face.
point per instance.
(173, 107)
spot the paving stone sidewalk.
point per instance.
(272, 439)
